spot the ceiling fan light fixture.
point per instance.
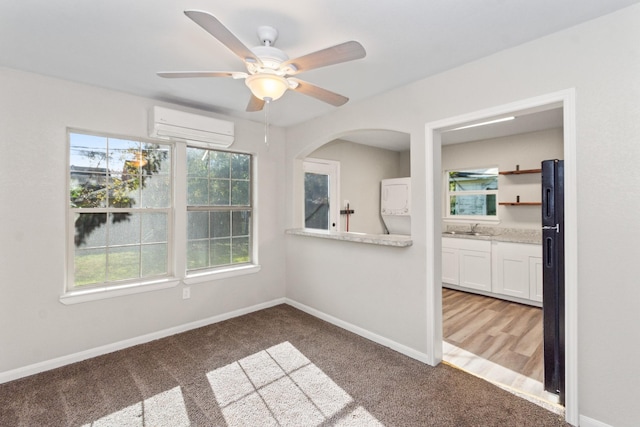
(267, 86)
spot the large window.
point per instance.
(120, 203)
(472, 193)
(218, 208)
(138, 218)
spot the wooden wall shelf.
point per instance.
(520, 203)
(520, 172)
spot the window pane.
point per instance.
(155, 191)
(197, 162)
(154, 260)
(123, 160)
(240, 249)
(197, 191)
(241, 221)
(219, 192)
(90, 230)
(197, 254)
(156, 159)
(240, 193)
(90, 266)
(477, 204)
(88, 170)
(154, 227)
(240, 166)
(123, 263)
(219, 164)
(124, 229)
(197, 225)
(473, 179)
(220, 252)
(316, 207)
(220, 224)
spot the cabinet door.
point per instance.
(475, 270)
(513, 272)
(535, 278)
(450, 266)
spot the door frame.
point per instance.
(566, 100)
(331, 168)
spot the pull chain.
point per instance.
(267, 101)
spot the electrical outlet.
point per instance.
(186, 292)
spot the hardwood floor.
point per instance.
(498, 340)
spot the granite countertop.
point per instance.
(396, 240)
(497, 234)
(513, 235)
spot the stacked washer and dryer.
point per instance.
(395, 205)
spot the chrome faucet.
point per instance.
(473, 227)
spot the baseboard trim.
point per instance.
(400, 348)
(590, 422)
(47, 365)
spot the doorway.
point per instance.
(566, 101)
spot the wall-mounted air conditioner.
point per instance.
(178, 125)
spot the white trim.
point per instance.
(566, 100)
(400, 348)
(225, 273)
(590, 422)
(112, 291)
(109, 348)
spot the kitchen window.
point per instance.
(472, 194)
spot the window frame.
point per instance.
(176, 231)
(447, 216)
(331, 168)
(199, 272)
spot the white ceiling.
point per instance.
(121, 44)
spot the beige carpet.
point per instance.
(275, 367)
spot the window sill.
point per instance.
(94, 294)
(207, 276)
(395, 240)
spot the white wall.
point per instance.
(601, 60)
(35, 327)
(526, 150)
(362, 167)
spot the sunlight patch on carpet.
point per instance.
(280, 386)
(166, 408)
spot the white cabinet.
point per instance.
(518, 270)
(450, 265)
(535, 278)
(467, 263)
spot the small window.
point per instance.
(472, 193)
(321, 194)
(120, 207)
(219, 209)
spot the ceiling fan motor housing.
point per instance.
(271, 57)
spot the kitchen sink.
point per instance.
(466, 233)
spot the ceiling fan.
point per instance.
(269, 70)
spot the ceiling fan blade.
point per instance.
(255, 104)
(344, 52)
(319, 93)
(214, 27)
(188, 74)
